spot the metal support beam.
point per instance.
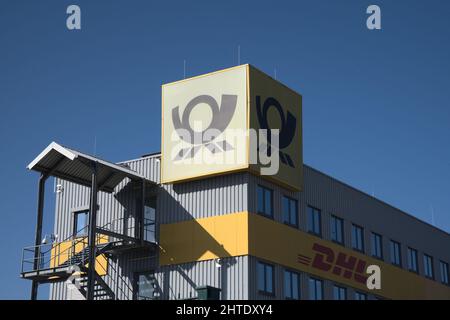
(141, 225)
(92, 233)
(38, 234)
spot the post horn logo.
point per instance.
(206, 138)
(287, 130)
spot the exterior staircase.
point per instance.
(68, 261)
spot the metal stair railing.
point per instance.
(51, 256)
(123, 290)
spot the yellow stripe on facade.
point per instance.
(204, 239)
(61, 252)
(244, 233)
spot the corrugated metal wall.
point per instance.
(279, 270)
(333, 197)
(190, 200)
(231, 277)
(234, 193)
(205, 198)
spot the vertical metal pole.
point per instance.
(141, 226)
(38, 234)
(92, 233)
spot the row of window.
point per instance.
(266, 285)
(314, 226)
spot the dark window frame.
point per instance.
(312, 222)
(361, 294)
(392, 245)
(135, 286)
(265, 190)
(416, 255)
(75, 231)
(265, 291)
(290, 272)
(336, 218)
(425, 269)
(340, 289)
(444, 265)
(374, 236)
(316, 280)
(290, 200)
(358, 227)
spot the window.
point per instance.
(315, 289)
(337, 229)
(149, 219)
(443, 266)
(360, 296)
(339, 293)
(145, 286)
(149, 216)
(314, 221)
(428, 266)
(357, 238)
(81, 219)
(290, 210)
(396, 255)
(377, 246)
(265, 278)
(412, 260)
(265, 201)
(291, 285)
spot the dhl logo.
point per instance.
(339, 263)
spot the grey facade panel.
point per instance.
(180, 202)
(203, 198)
(226, 194)
(333, 197)
(180, 281)
(279, 294)
(148, 167)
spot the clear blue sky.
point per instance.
(376, 103)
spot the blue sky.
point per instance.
(375, 103)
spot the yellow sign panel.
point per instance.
(244, 233)
(201, 117)
(275, 106)
(221, 122)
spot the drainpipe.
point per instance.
(92, 234)
(38, 234)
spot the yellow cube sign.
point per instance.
(231, 120)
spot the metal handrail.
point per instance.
(56, 257)
(130, 288)
(44, 262)
(43, 250)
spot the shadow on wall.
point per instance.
(184, 252)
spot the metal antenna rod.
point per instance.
(184, 69)
(95, 145)
(239, 54)
(432, 215)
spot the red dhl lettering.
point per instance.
(340, 264)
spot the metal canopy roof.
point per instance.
(74, 166)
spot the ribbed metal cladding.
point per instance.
(147, 166)
(203, 198)
(234, 193)
(184, 201)
(180, 281)
(333, 197)
(279, 294)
